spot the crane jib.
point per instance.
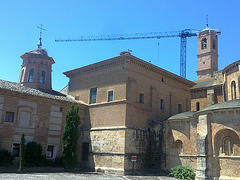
(153, 35)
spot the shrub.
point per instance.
(6, 158)
(33, 156)
(182, 172)
(58, 162)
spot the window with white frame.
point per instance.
(51, 151)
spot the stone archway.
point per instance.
(226, 164)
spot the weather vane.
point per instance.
(40, 39)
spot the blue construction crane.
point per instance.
(182, 34)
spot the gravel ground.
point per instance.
(73, 176)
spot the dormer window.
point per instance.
(31, 74)
(204, 43)
(43, 75)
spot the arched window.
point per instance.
(204, 43)
(179, 147)
(31, 75)
(227, 146)
(43, 75)
(197, 106)
(233, 89)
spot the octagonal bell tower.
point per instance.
(36, 69)
(207, 53)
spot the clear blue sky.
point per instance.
(75, 18)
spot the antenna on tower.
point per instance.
(40, 38)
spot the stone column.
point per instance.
(210, 96)
(202, 150)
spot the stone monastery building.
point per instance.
(129, 107)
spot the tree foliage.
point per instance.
(182, 172)
(70, 139)
(6, 158)
(33, 154)
(22, 153)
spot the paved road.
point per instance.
(73, 176)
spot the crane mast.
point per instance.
(152, 35)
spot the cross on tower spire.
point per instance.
(207, 21)
(40, 38)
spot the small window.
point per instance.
(141, 98)
(51, 151)
(43, 76)
(93, 95)
(179, 147)
(197, 106)
(213, 44)
(204, 43)
(110, 96)
(9, 117)
(162, 104)
(16, 149)
(227, 146)
(31, 75)
(85, 151)
(61, 109)
(179, 108)
(162, 80)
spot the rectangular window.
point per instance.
(16, 149)
(51, 151)
(162, 104)
(85, 151)
(179, 108)
(93, 95)
(110, 96)
(9, 117)
(141, 98)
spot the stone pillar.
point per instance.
(238, 87)
(210, 96)
(224, 92)
(202, 150)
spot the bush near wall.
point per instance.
(182, 172)
(33, 156)
(6, 158)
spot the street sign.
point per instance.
(133, 158)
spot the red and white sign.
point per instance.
(133, 158)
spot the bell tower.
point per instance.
(36, 69)
(207, 53)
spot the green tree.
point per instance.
(70, 138)
(33, 154)
(22, 153)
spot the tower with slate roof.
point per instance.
(36, 69)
